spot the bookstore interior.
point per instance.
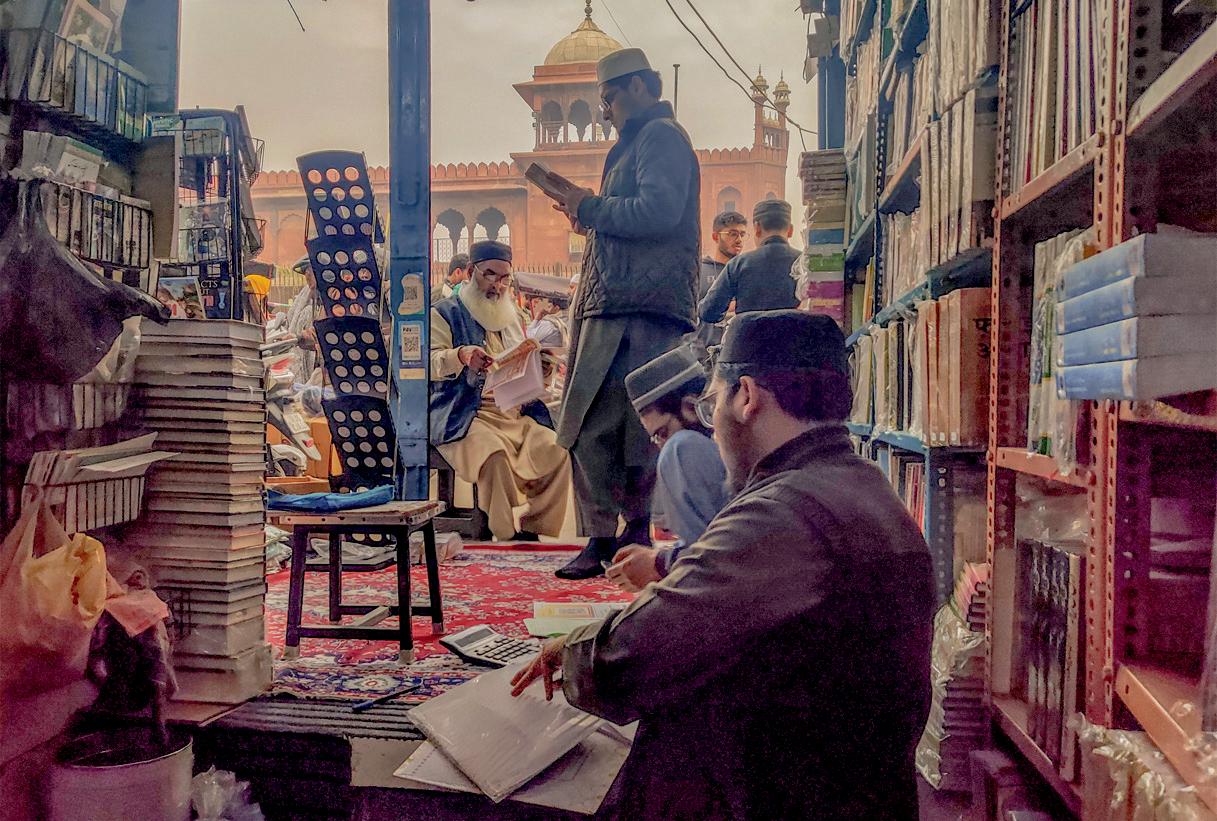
(236, 582)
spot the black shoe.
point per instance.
(637, 531)
(484, 535)
(587, 564)
(525, 536)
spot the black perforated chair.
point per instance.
(469, 522)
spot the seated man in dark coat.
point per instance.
(507, 453)
(781, 669)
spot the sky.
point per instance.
(327, 87)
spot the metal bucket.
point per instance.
(117, 775)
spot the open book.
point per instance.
(554, 185)
(515, 377)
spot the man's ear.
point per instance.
(789, 232)
(747, 399)
(688, 410)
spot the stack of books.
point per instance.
(202, 536)
(1139, 321)
(823, 260)
(958, 722)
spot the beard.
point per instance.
(492, 314)
(736, 450)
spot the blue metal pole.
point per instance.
(410, 235)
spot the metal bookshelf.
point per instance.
(1153, 158)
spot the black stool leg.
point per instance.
(295, 592)
(405, 630)
(432, 558)
(335, 577)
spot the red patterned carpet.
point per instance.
(492, 586)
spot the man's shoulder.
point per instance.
(688, 444)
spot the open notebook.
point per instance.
(515, 377)
(498, 742)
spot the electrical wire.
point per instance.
(613, 17)
(298, 20)
(743, 71)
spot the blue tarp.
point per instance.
(329, 502)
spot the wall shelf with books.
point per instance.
(1024, 461)
(1190, 78)
(1012, 715)
(1052, 186)
(903, 189)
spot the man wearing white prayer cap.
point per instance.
(637, 298)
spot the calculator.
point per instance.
(482, 645)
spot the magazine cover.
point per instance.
(182, 296)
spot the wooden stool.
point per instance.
(395, 519)
(470, 522)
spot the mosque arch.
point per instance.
(491, 221)
(728, 199)
(553, 122)
(581, 118)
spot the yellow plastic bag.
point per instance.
(52, 591)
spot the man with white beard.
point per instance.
(507, 454)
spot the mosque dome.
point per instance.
(586, 44)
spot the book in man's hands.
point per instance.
(554, 185)
(515, 377)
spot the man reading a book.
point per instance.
(637, 297)
(691, 482)
(507, 454)
(782, 667)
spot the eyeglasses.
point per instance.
(491, 276)
(735, 234)
(705, 408)
(606, 101)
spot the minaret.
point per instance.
(781, 101)
(759, 86)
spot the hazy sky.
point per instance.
(327, 87)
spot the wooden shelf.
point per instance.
(901, 185)
(1011, 716)
(862, 244)
(1167, 707)
(1183, 79)
(1036, 464)
(1054, 179)
(1161, 413)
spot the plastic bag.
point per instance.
(52, 591)
(59, 317)
(217, 796)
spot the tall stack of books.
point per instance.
(1139, 321)
(202, 535)
(958, 722)
(823, 260)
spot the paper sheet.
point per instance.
(578, 782)
(501, 742)
(585, 610)
(546, 627)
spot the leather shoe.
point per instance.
(637, 531)
(525, 536)
(587, 564)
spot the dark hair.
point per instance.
(729, 218)
(773, 222)
(459, 262)
(670, 402)
(650, 78)
(807, 395)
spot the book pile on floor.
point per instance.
(958, 722)
(822, 264)
(1139, 321)
(202, 535)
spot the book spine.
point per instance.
(1124, 260)
(1140, 379)
(1136, 296)
(1106, 380)
(1073, 642)
(1138, 337)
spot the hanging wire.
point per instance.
(298, 20)
(613, 17)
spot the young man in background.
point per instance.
(729, 230)
(758, 280)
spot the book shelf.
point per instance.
(1154, 117)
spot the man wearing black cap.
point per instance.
(758, 280)
(637, 297)
(506, 453)
(781, 669)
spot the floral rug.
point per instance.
(493, 586)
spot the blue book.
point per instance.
(1174, 254)
(1139, 379)
(1138, 296)
(1139, 337)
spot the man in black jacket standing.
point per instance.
(758, 280)
(637, 297)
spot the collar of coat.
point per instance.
(660, 111)
(823, 440)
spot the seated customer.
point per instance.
(508, 454)
(782, 668)
(691, 482)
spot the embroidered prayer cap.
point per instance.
(489, 249)
(620, 63)
(771, 208)
(662, 375)
(778, 341)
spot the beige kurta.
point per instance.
(510, 457)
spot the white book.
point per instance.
(515, 378)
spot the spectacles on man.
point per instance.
(705, 408)
(735, 234)
(606, 100)
(491, 276)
